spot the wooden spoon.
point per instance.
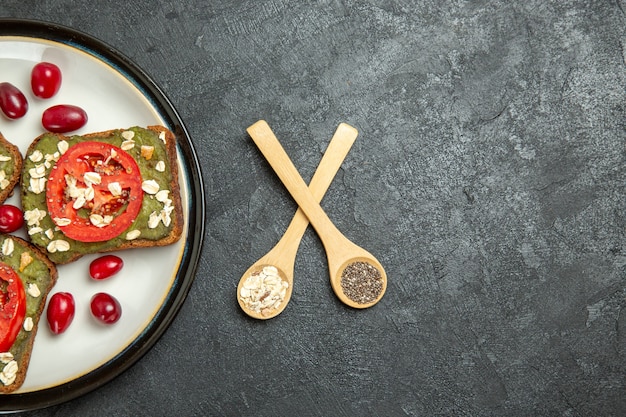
(283, 255)
(356, 276)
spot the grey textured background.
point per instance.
(489, 178)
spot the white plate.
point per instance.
(154, 281)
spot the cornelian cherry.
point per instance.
(13, 103)
(105, 266)
(105, 308)
(45, 79)
(63, 118)
(61, 309)
(11, 218)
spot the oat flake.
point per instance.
(28, 324)
(264, 291)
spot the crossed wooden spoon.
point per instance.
(357, 277)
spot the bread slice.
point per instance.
(10, 167)
(38, 275)
(160, 219)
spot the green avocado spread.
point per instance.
(7, 164)
(147, 149)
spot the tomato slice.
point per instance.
(12, 306)
(94, 191)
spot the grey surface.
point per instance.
(489, 178)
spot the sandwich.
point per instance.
(26, 278)
(10, 167)
(101, 192)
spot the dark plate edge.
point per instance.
(191, 253)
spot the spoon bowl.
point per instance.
(272, 275)
(356, 276)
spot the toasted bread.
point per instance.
(160, 219)
(10, 167)
(38, 275)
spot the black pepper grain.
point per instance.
(361, 282)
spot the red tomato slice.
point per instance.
(12, 306)
(94, 191)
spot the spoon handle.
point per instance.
(273, 151)
(331, 161)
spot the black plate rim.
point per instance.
(193, 246)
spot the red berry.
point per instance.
(45, 79)
(13, 103)
(11, 218)
(105, 308)
(60, 312)
(105, 266)
(63, 118)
